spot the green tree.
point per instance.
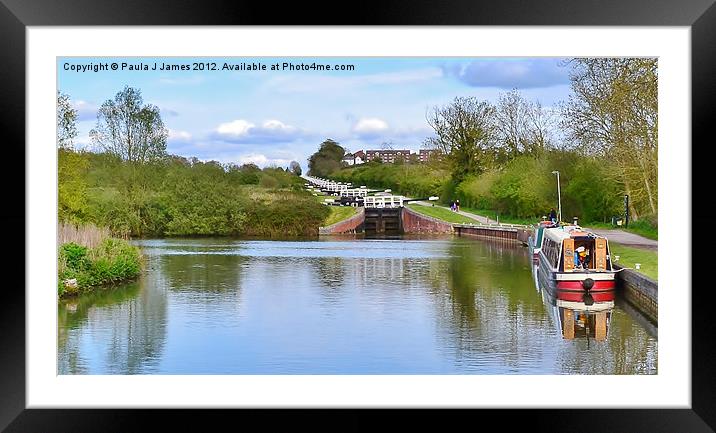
(524, 187)
(129, 129)
(295, 168)
(464, 130)
(66, 122)
(612, 113)
(594, 189)
(327, 159)
(247, 174)
(71, 186)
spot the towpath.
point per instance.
(614, 235)
(478, 218)
(627, 238)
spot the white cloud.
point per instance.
(236, 128)
(370, 126)
(270, 131)
(175, 135)
(277, 125)
(262, 160)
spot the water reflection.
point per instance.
(599, 337)
(489, 312)
(369, 306)
(576, 315)
(118, 331)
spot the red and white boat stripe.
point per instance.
(599, 285)
(574, 296)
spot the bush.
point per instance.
(523, 188)
(414, 180)
(268, 182)
(526, 188)
(74, 256)
(112, 261)
(475, 191)
(284, 214)
(176, 197)
(596, 194)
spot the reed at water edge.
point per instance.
(87, 235)
(90, 257)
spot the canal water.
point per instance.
(356, 306)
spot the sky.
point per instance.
(231, 112)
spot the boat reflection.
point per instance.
(578, 320)
(577, 316)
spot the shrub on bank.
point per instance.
(181, 197)
(284, 214)
(523, 188)
(415, 180)
(112, 261)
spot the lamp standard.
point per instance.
(559, 198)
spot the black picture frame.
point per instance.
(16, 15)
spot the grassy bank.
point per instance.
(184, 197)
(521, 190)
(628, 256)
(335, 213)
(442, 213)
(504, 219)
(339, 213)
(88, 258)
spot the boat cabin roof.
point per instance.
(559, 234)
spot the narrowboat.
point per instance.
(586, 276)
(534, 241)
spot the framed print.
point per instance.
(276, 214)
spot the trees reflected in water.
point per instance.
(125, 326)
(450, 305)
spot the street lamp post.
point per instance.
(559, 198)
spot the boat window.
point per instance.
(551, 251)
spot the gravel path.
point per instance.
(626, 238)
(481, 219)
(618, 236)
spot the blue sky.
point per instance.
(273, 117)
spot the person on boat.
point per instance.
(553, 216)
(581, 259)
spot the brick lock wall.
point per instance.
(414, 222)
(351, 225)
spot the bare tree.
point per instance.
(66, 122)
(522, 126)
(129, 129)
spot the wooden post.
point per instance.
(568, 254)
(600, 254)
(568, 324)
(600, 329)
